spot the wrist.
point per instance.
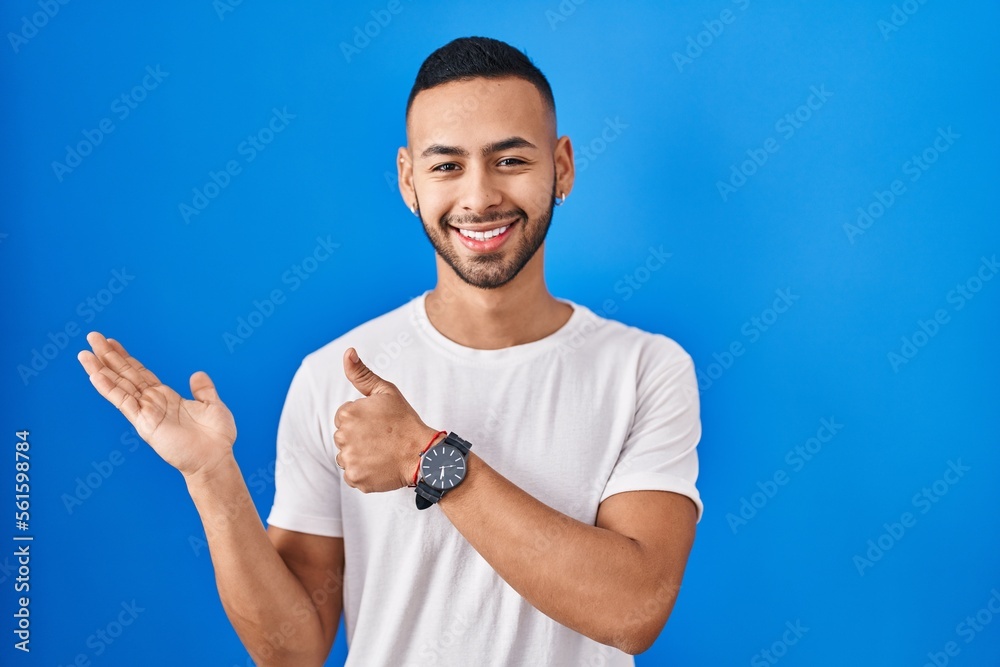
(443, 468)
(209, 473)
(428, 438)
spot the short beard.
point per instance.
(493, 270)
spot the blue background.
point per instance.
(683, 126)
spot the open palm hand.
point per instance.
(191, 435)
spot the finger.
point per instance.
(338, 416)
(89, 361)
(145, 377)
(98, 343)
(116, 395)
(112, 359)
(94, 365)
(203, 389)
(92, 361)
(362, 377)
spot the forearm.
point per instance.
(590, 579)
(268, 606)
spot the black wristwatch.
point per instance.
(442, 468)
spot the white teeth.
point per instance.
(482, 236)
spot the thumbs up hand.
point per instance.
(380, 436)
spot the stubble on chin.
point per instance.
(495, 269)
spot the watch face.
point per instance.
(443, 467)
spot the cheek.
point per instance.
(534, 199)
(435, 199)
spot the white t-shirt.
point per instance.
(596, 408)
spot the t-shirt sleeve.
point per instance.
(660, 451)
(306, 479)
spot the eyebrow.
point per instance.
(488, 149)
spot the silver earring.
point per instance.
(413, 208)
(559, 202)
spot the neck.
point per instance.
(521, 311)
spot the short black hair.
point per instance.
(470, 57)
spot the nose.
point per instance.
(480, 193)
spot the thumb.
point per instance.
(202, 388)
(362, 377)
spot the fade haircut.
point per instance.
(470, 57)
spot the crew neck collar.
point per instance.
(510, 354)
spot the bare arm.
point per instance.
(615, 582)
(280, 589)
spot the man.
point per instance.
(552, 451)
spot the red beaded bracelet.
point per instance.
(417, 471)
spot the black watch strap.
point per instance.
(463, 445)
(428, 495)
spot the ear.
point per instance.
(404, 172)
(565, 170)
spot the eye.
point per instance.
(441, 167)
(512, 161)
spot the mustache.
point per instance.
(458, 221)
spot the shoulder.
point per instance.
(646, 348)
